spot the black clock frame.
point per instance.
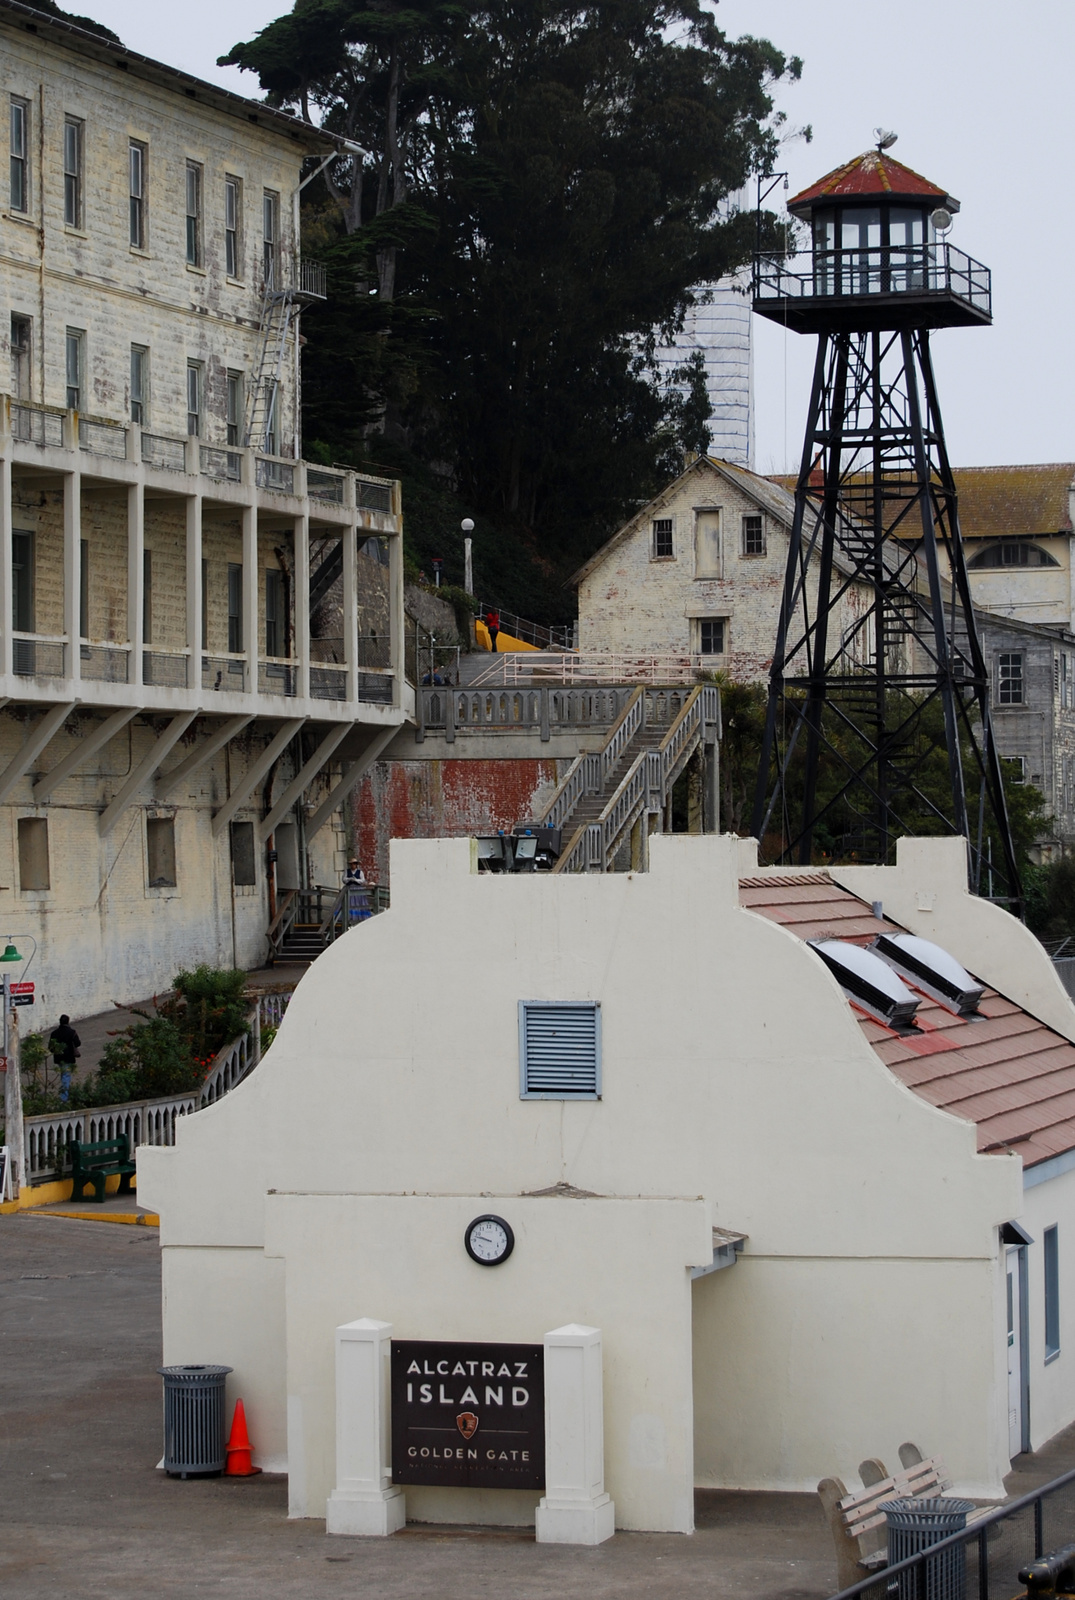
(489, 1216)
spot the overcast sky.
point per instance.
(979, 93)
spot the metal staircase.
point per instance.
(280, 312)
(605, 793)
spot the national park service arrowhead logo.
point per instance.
(467, 1423)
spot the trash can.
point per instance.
(914, 1525)
(194, 1420)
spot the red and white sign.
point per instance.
(20, 988)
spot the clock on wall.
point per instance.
(489, 1240)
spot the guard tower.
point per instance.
(877, 671)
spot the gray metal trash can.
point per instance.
(914, 1525)
(194, 1420)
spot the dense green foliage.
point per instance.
(545, 183)
(168, 1052)
(49, 8)
(1050, 896)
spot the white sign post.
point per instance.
(364, 1499)
(575, 1508)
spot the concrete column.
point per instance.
(364, 1499)
(301, 636)
(6, 598)
(250, 595)
(395, 615)
(711, 780)
(194, 590)
(350, 610)
(136, 577)
(575, 1508)
(72, 569)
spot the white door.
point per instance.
(1015, 1363)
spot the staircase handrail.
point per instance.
(574, 783)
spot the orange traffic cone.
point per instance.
(239, 1464)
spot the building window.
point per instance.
(160, 852)
(1010, 679)
(1013, 553)
(1051, 1257)
(137, 201)
(194, 214)
(75, 361)
(274, 612)
(271, 439)
(22, 582)
(235, 407)
(147, 596)
(34, 853)
(232, 212)
(662, 539)
(711, 636)
(72, 172)
(21, 368)
(139, 383)
(235, 608)
(19, 193)
(270, 248)
(84, 590)
(194, 399)
(753, 536)
(559, 1050)
(243, 865)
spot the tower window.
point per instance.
(1010, 679)
(663, 548)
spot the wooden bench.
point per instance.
(859, 1528)
(93, 1163)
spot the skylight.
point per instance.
(931, 969)
(867, 980)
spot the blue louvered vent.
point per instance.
(559, 1050)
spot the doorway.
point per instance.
(1018, 1369)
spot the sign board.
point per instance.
(468, 1414)
(22, 999)
(20, 988)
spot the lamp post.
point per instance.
(467, 526)
(12, 1078)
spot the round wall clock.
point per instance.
(489, 1240)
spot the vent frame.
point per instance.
(913, 966)
(540, 1077)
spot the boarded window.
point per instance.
(1051, 1254)
(34, 853)
(160, 852)
(243, 872)
(707, 544)
(559, 1050)
(663, 547)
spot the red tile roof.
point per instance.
(871, 173)
(1003, 1070)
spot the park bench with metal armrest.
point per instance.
(859, 1527)
(94, 1163)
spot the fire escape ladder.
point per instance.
(279, 313)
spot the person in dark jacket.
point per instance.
(64, 1044)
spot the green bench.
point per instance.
(93, 1163)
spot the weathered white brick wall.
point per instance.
(634, 602)
(90, 278)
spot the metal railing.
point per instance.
(164, 453)
(594, 667)
(545, 709)
(995, 1548)
(322, 913)
(47, 1137)
(921, 269)
(103, 438)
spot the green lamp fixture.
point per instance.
(10, 953)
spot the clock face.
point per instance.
(489, 1240)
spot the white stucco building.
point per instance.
(882, 1180)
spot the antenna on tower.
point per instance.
(885, 138)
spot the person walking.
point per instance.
(492, 623)
(358, 901)
(64, 1044)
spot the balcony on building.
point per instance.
(177, 574)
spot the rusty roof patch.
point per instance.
(871, 173)
(1005, 1071)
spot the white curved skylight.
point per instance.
(868, 980)
(930, 967)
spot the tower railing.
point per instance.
(923, 269)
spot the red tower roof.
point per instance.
(872, 174)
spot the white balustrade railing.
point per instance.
(146, 1121)
(593, 667)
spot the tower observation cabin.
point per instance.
(878, 258)
(878, 678)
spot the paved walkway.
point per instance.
(84, 1514)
